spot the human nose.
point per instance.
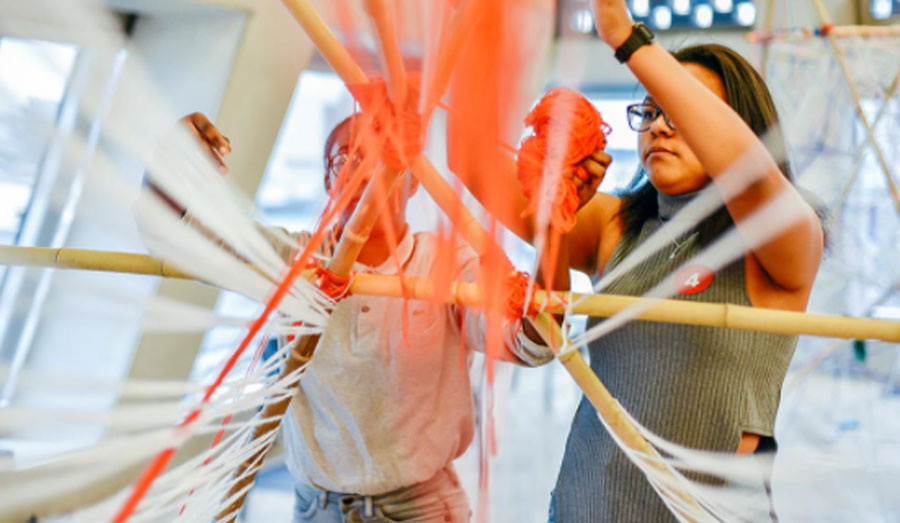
(660, 125)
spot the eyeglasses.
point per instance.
(336, 163)
(641, 116)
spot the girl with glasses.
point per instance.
(707, 111)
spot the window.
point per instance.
(34, 75)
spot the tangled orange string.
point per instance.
(400, 123)
(336, 287)
(577, 131)
(517, 290)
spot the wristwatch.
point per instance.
(640, 36)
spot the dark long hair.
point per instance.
(746, 92)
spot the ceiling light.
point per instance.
(640, 8)
(582, 21)
(703, 15)
(662, 17)
(681, 7)
(723, 6)
(745, 13)
(881, 9)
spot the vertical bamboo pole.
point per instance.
(848, 78)
(767, 39)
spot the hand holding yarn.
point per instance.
(563, 158)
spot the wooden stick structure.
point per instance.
(770, 19)
(721, 315)
(848, 79)
(388, 49)
(840, 31)
(363, 220)
(607, 406)
(857, 162)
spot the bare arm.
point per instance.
(552, 275)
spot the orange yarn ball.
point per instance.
(566, 129)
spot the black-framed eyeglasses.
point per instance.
(641, 116)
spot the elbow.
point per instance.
(530, 353)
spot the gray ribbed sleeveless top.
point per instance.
(697, 386)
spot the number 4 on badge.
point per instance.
(693, 279)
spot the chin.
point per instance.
(676, 184)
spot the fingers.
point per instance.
(217, 144)
(211, 134)
(597, 163)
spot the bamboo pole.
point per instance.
(343, 64)
(766, 42)
(388, 49)
(841, 31)
(848, 78)
(721, 315)
(607, 406)
(857, 162)
(325, 41)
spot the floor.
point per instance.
(838, 431)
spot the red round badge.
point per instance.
(693, 279)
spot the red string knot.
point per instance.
(517, 292)
(399, 126)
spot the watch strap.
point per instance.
(640, 36)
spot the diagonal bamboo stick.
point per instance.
(848, 79)
(720, 315)
(607, 406)
(388, 49)
(466, 17)
(342, 63)
(857, 162)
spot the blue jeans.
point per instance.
(551, 517)
(439, 499)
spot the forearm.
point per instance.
(552, 273)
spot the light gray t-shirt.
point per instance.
(372, 414)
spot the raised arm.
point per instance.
(720, 139)
(218, 146)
